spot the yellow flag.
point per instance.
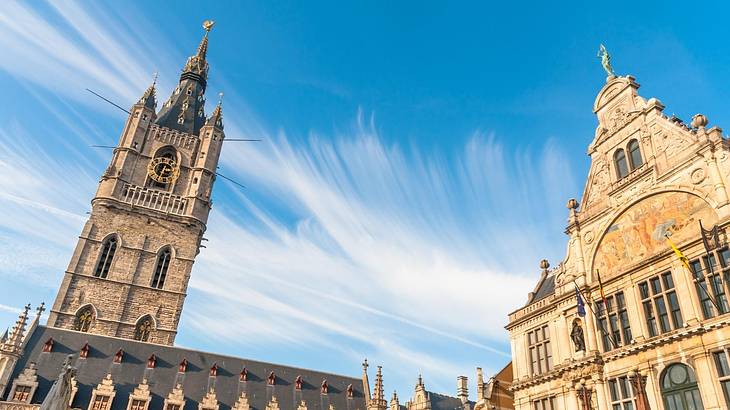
(679, 254)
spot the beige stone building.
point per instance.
(661, 338)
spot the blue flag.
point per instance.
(580, 304)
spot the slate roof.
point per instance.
(129, 373)
(546, 288)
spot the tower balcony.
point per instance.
(162, 201)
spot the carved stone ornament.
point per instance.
(697, 176)
(589, 236)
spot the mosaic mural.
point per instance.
(639, 232)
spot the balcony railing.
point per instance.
(162, 201)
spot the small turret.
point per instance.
(149, 98)
(15, 338)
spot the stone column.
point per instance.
(562, 338)
(686, 293)
(601, 397)
(635, 311)
(706, 381)
(590, 328)
(715, 176)
(571, 398)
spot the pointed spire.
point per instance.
(149, 98)
(184, 110)
(216, 119)
(378, 401)
(196, 64)
(14, 340)
(365, 382)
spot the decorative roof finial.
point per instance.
(605, 61)
(208, 25)
(40, 309)
(15, 339)
(216, 118)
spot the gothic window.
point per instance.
(613, 322)
(84, 319)
(541, 356)
(679, 388)
(622, 396)
(108, 248)
(143, 329)
(622, 168)
(661, 306)
(635, 154)
(161, 267)
(710, 286)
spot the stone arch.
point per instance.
(165, 151)
(144, 326)
(679, 387)
(637, 230)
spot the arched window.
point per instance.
(108, 248)
(622, 168)
(84, 319)
(635, 154)
(143, 329)
(163, 263)
(679, 388)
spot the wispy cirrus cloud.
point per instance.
(342, 246)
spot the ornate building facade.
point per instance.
(109, 339)
(659, 337)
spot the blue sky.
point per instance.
(416, 162)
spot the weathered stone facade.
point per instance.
(155, 223)
(651, 177)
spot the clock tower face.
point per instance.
(164, 170)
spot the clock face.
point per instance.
(163, 170)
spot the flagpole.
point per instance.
(685, 263)
(606, 333)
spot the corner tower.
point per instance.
(129, 273)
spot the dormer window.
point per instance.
(635, 154)
(622, 167)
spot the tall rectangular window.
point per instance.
(613, 322)
(709, 278)
(622, 396)
(547, 403)
(661, 306)
(723, 370)
(541, 358)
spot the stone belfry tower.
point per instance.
(129, 273)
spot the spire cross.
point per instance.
(365, 364)
(42, 308)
